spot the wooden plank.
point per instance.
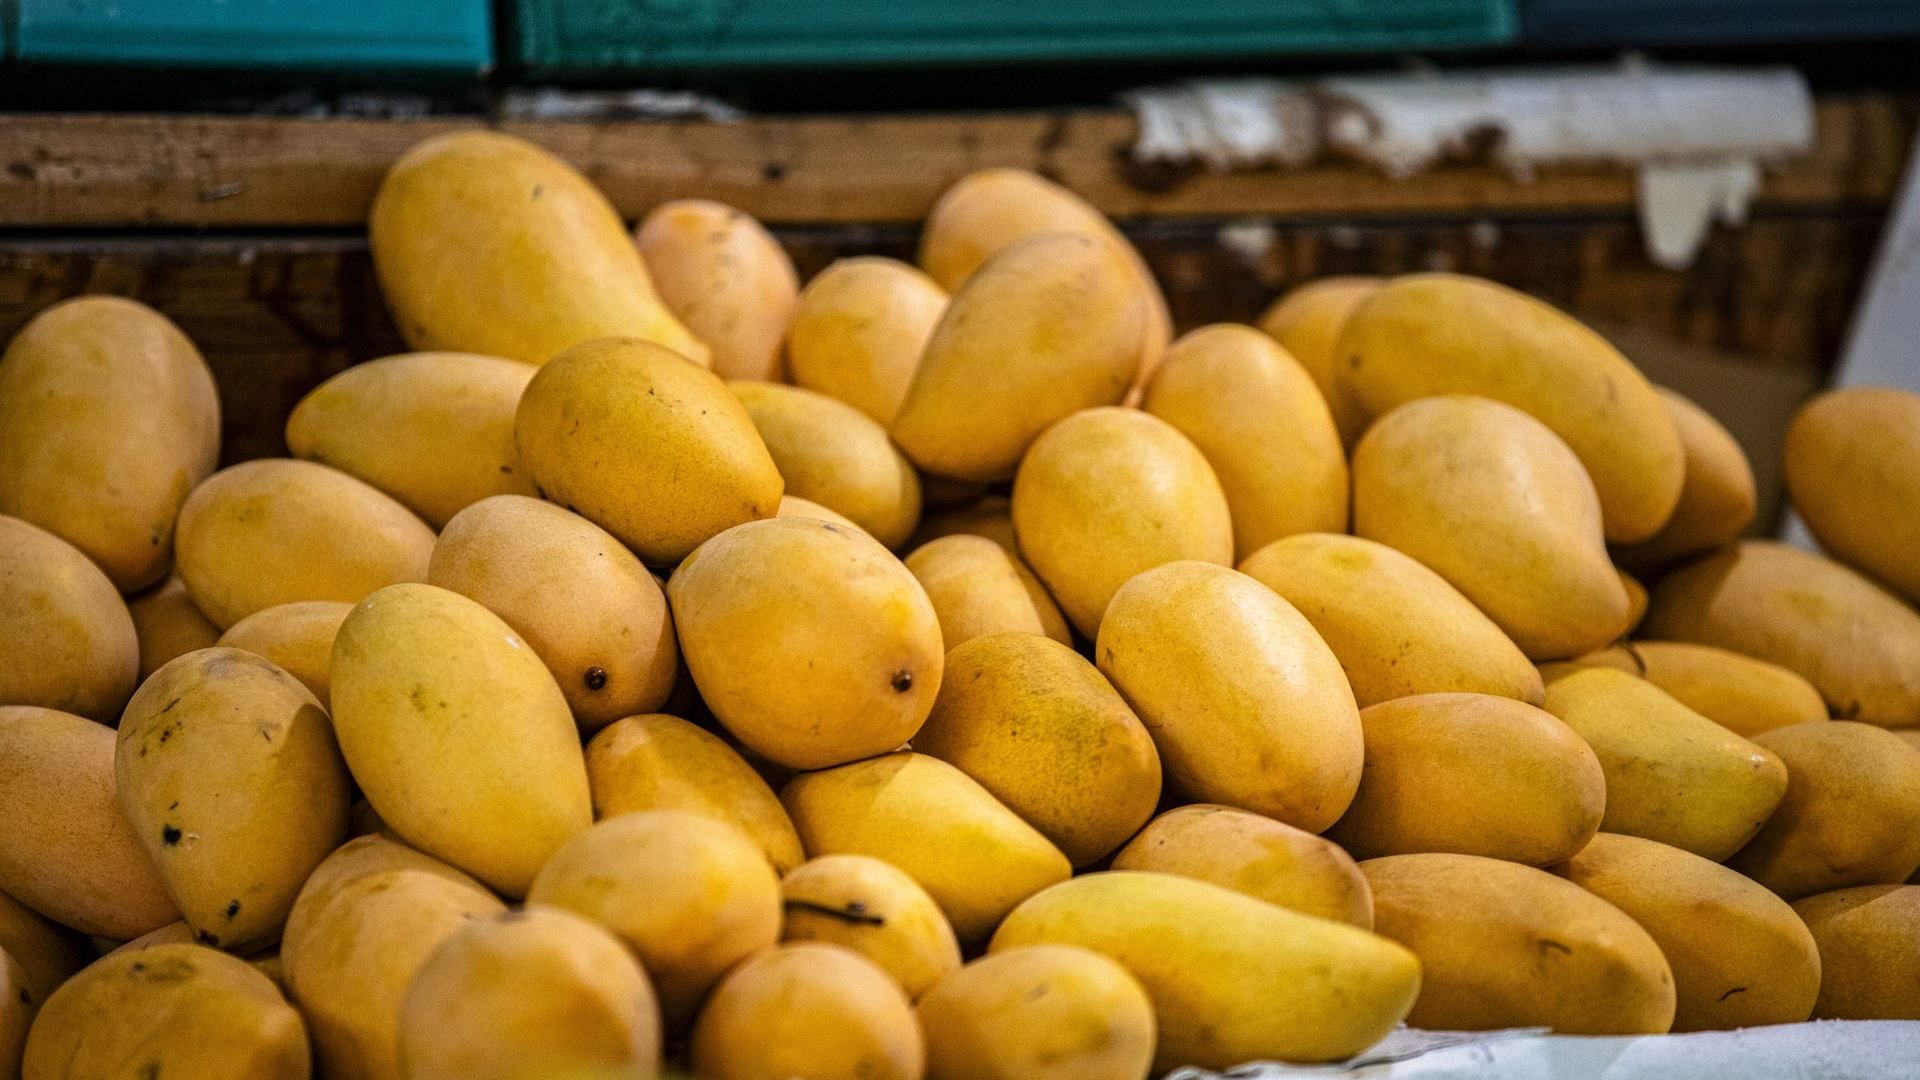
(60, 172)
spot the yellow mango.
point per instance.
(1851, 815)
(1107, 493)
(1743, 695)
(1855, 642)
(1307, 319)
(1672, 775)
(1740, 956)
(976, 589)
(875, 909)
(1717, 498)
(811, 643)
(859, 329)
(1049, 326)
(690, 896)
(647, 446)
(486, 243)
(534, 993)
(66, 639)
(108, 417)
(1493, 501)
(1636, 601)
(1232, 979)
(1256, 855)
(433, 430)
(725, 278)
(172, 1010)
(1256, 415)
(1503, 945)
(297, 637)
(1431, 334)
(265, 961)
(837, 456)
(808, 1009)
(1249, 708)
(992, 517)
(795, 506)
(46, 952)
(1398, 628)
(1078, 765)
(975, 857)
(1041, 1012)
(660, 762)
(365, 921)
(1472, 774)
(457, 734)
(1869, 939)
(587, 607)
(73, 858)
(1853, 472)
(270, 532)
(168, 625)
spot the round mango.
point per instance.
(837, 456)
(1869, 940)
(1040, 1012)
(1853, 471)
(876, 910)
(859, 329)
(808, 1009)
(66, 639)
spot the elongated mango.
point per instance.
(67, 641)
(725, 278)
(1717, 498)
(1307, 319)
(859, 329)
(831, 453)
(1853, 471)
(1253, 854)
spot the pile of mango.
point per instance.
(932, 672)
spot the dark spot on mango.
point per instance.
(26, 996)
(233, 908)
(150, 1071)
(538, 190)
(507, 469)
(169, 835)
(596, 678)
(1730, 993)
(773, 172)
(902, 681)
(206, 938)
(169, 706)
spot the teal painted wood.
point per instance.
(1628, 23)
(611, 35)
(368, 35)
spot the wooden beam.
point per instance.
(81, 171)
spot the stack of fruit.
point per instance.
(421, 771)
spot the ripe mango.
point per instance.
(808, 1009)
(486, 243)
(837, 456)
(1307, 320)
(108, 417)
(1869, 939)
(1503, 945)
(1249, 708)
(297, 637)
(46, 952)
(875, 909)
(1232, 979)
(725, 278)
(1041, 1012)
(1717, 498)
(1398, 628)
(859, 329)
(976, 589)
(1743, 695)
(168, 625)
(1853, 472)
(991, 516)
(652, 449)
(66, 639)
(1256, 855)
(1107, 493)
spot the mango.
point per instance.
(875, 909)
(46, 952)
(1853, 473)
(1042, 1012)
(690, 896)
(66, 639)
(1077, 764)
(795, 506)
(488, 244)
(1851, 815)
(1743, 695)
(74, 858)
(1503, 945)
(1869, 939)
(1107, 493)
(433, 430)
(812, 644)
(1050, 325)
(645, 445)
(1248, 707)
(580, 600)
(808, 1009)
(975, 857)
(297, 637)
(660, 762)
(172, 1010)
(976, 589)
(274, 531)
(17, 1005)
(457, 734)
(1232, 979)
(1739, 954)
(1397, 627)
(1256, 415)
(1472, 774)
(1493, 501)
(265, 961)
(1672, 775)
(725, 278)
(540, 992)
(108, 417)
(859, 329)
(167, 625)
(1256, 855)
(1636, 601)
(1435, 334)
(1717, 498)
(837, 456)
(1854, 641)
(1307, 320)
(364, 923)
